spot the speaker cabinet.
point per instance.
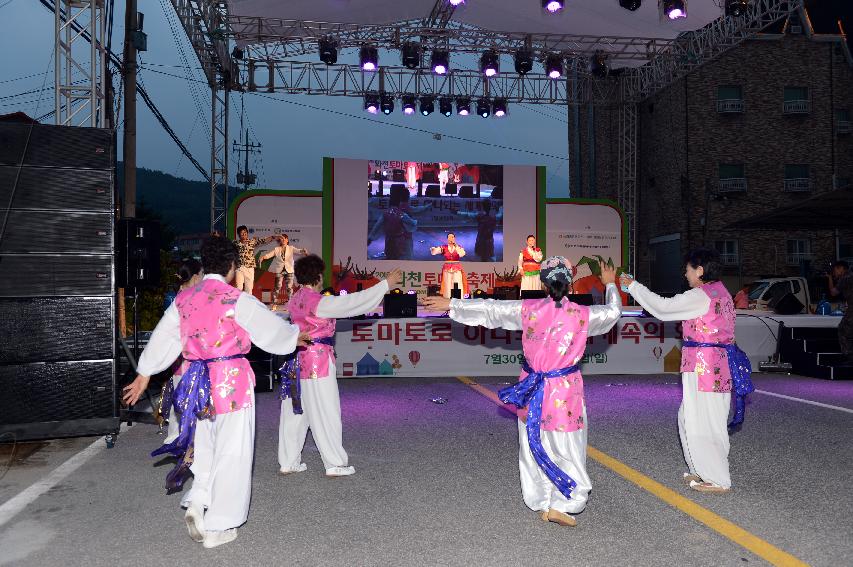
(400, 305)
(57, 146)
(138, 251)
(788, 304)
(51, 189)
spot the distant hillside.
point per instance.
(181, 204)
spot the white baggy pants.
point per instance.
(703, 429)
(245, 279)
(568, 451)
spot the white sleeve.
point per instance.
(487, 312)
(537, 255)
(521, 261)
(603, 317)
(352, 304)
(461, 251)
(164, 346)
(266, 329)
(684, 306)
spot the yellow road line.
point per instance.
(732, 531)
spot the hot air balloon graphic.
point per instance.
(414, 357)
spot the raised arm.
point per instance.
(521, 262)
(537, 255)
(460, 251)
(487, 313)
(682, 307)
(372, 234)
(436, 250)
(266, 329)
(269, 254)
(352, 304)
(603, 317)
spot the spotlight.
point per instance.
(499, 107)
(408, 104)
(445, 105)
(598, 64)
(554, 66)
(552, 5)
(489, 63)
(371, 103)
(427, 105)
(387, 104)
(411, 55)
(440, 62)
(674, 9)
(463, 106)
(523, 61)
(237, 53)
(456, 2)
(736, 8)
(368, 58)
(484, 107)
(632, 5)
(328, 51)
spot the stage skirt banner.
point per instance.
(441, 347)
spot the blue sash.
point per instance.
(530, 392)
(289, 373)
(740, 369)
(191, 401)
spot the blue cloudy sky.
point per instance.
(296, 131)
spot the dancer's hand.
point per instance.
(135, 389)
(304, 339)
(608, 273)
(437, 303)
(625, 280)
(395, 277)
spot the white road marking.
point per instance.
(801, 400)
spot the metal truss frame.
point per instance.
(79, 63)
(627, 178)
(219, 158)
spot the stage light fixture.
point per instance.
(387, 104)
(463, 106)
(328, 51)
(440, 61)
(368, 58)
(674, 9)
(489, 63)
(456, 2)
(411, 55)
(598, 64)
(237, 53)
(484, 107)
(499, 107)
(371, 103)
(736, 8)
(408, 104)
(554, 66)
(427, 105)
(632, 5)
(523, 61)
(445, 105)
(552, 6)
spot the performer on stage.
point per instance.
(451, 272)
(309, 391)
(710, 363)
(528, 264)
(246, 269)
(213, 325)
(487, 222)
(552, 452)
(282, 265)
(399, 225)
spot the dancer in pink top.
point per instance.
(552, 443)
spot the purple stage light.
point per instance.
(553, 74)
(368, 66)
(372, 109)
(368, 57)
(674, 9)
(552, 6)
(440, 69)
(500, 113)
(456, 2)
(676, 13)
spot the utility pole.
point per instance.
(129, 147)
(246, 177)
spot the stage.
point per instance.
(438, 346)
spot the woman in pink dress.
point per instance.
(552, 442)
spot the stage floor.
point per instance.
(437, 484)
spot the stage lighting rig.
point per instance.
(598, 64)
(408, 104)
(411, 55)
(328, 51)
(484, 107)
(368, 58)
(440, 61)
(371, 103)
(552, 6)
(455, 3)
(499, 107)
(463, 106)
(736, 8)
(523, 61)
(387, 104)
(445, 105)
(490, 63)
(427, 105)
(673, 9)
(632, 5)
(554, 66)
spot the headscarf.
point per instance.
(556, 268)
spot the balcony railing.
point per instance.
(843, 127)
(796, 107)
(798, 184)
(729, 259)
(732, 185)
(796, 258)
(730, 105)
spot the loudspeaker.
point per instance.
(432, 191)
(466, 191)
(398, 175)
(456, 292)
(788, 304)
(433, 290)
(138, 253)
(451, 189)
(51, 189)
(533, 294)
(57, 146)
(400, 305)
(506, 293)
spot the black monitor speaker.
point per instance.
(433, 191)
(788, 304)
(451, 189)
(400, 305)
(533, 294)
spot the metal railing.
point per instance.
(796, 107)
(732, 185)
(798, 184)
(730, 105)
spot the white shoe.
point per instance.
(340, 471)
(215, 539)
(301, 467)
(195, 521)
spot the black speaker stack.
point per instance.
(57, 304)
